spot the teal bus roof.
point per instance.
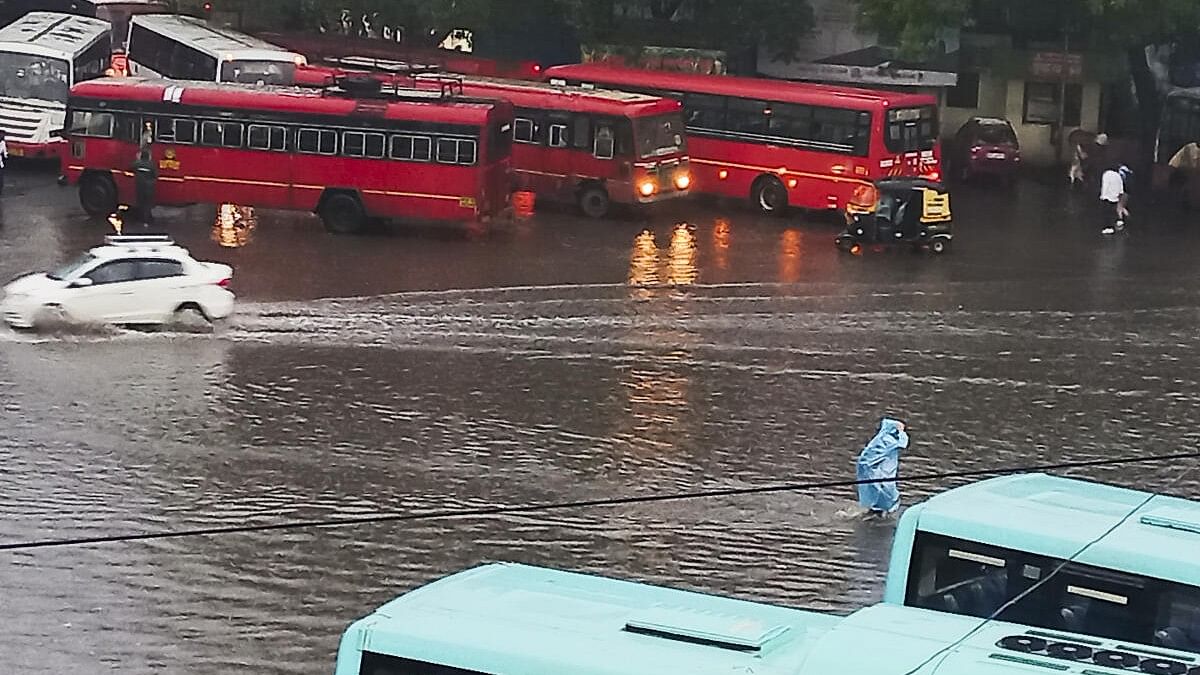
(510, 618)
(507, 619)
(1055, 516)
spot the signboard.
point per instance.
(1057, 65)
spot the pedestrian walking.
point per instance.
(145, 178)
(1113, 200)
(880, 461)
(3, 159)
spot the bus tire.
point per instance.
(97, 194)
(593, 201)
(769, 196)
(342, 214)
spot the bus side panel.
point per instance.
(196, 174)
(417, 190)
(587, 166)
(713, 158)
(532, 166)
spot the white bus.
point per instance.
(116, 12)
(186, 48)
(42, 55)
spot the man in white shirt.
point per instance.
(1112, 201)
(3, 159)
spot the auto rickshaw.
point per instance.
(891, 211)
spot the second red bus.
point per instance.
(783, 143)
(592, 147)
(420, 155)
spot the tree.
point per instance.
(730, 25)
(913, 25)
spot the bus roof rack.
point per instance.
(134, 239)
(395, 86)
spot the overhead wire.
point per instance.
(516, 509)
(945, 652)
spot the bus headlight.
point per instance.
(683, 181)
(646, 188)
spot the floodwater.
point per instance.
(554, 360)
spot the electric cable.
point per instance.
(497, 510)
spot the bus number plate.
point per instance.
(467, 202)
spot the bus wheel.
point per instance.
(342, 214)
(769, 195)
(97, 194)
(593, 201)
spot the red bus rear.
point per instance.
(783, 143)
(422, 155)
(593, 147)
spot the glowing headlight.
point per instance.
(646, 188)
(683, 181)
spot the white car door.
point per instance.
(110, 298)
(162, 287)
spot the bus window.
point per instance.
(258, 72)
(28, 76)
(96, 124)
(606, 144)
(581, 132)
(911, 129)
(660, 135)
(381, 664)
(704, 111)
(91, 64)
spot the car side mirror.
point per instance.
(81, 282)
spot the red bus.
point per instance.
(333, 49)
(592, 147)
(783, 143)
(347, 155)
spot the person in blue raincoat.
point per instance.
(880, 460)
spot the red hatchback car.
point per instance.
(986, 146)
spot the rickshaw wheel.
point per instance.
(939, 245)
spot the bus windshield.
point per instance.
(911, 129)
(26, 76)
(660, 135)
(258, 72)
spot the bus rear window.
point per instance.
(911, 129)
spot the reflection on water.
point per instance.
(234, 225)
(682, 262)
(720, 244)
(646, 268)
(643, 264)
(657, 390)
(789, 256)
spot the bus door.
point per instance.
(529, 152)
(559, 160)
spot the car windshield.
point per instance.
(661, 135)
(71, 268)
(258, 72)
(40, 77)
(997, 134)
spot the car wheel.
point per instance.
(343, 214)
(97, 195)
(593, 201)
(769, 196)
(190, 318)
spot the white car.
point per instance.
(131, 280)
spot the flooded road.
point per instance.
(556, 360)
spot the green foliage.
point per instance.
(727, 24)
(913, 24)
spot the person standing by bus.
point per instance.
(145, 177)
(1113, 200)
